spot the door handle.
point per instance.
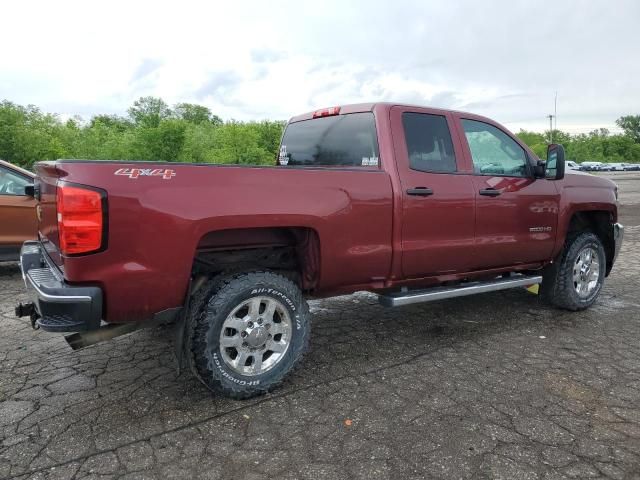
(490, 192)
(420, 191)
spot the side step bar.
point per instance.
(398, 299)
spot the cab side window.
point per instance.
(493, 151)
(11, 183)
(429, 143)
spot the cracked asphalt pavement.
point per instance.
(491, 386)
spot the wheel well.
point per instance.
(292, 251)
(599, 222)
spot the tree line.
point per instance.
(597, 146)
(186, 132)
(151, 131)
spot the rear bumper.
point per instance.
(60, 306)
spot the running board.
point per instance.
(398, 299)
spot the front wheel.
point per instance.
(576, 282)
(247, 332)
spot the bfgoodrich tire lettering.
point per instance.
(223, 327)
(583, 253)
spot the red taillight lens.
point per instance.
(80, 218)
(326, 112)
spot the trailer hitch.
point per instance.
(28, 310)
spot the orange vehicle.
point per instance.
(18, 220)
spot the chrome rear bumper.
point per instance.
(60, 307)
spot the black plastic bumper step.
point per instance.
(60, 323)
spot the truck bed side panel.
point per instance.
(155, 225)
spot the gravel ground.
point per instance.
(492, 386)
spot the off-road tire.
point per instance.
(210, 306)
(558, 286)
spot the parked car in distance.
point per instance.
(411, 203)
(590, 166)
(630, 167)
(18, 221)
(571, 165)
(616, 167)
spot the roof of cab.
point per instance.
(369, 107)
(344, 109)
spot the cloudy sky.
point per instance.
(274, 59)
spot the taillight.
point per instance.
(326, 112)
(80, 219)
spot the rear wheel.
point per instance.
(247, 332)
(575, 282)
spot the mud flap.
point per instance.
(180, 332)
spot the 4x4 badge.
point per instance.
(165, 173)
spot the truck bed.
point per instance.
(156, 223)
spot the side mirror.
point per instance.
(30, 190)
(554, 168)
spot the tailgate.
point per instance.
(46, 187)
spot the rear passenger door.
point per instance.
(437, 194)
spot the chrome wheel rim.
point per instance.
(586, 272)
(255, 336)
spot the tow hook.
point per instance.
(28, 310)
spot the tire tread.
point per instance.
(559, 278)
(213, 298)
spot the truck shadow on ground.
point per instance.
(351, 336)
(127, 389)
(354, 334)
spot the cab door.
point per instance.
(438, 213)
(516, 214)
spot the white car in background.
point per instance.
(572, 165)
(617, 167)
(591, 166)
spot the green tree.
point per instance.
(197, 114)
(112, 121)
(149, 111)
(238, 142)
(536, 142)
(630, 125)
(199, 141)
(269, 135)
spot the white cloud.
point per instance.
(254, 60)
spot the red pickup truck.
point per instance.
(411, 203)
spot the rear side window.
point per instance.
(341, 140)
(428, 143)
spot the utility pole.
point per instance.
(555, 112)
(550, 117)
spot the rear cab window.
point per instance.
(335, 141)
